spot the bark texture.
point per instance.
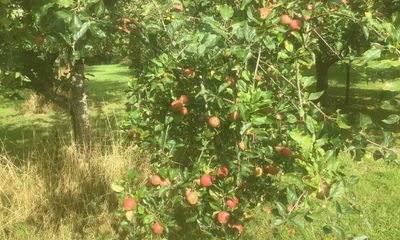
(79, 107)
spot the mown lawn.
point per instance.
(378, 192)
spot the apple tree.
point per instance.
(40, 38)
(221, 103)
(345, 30)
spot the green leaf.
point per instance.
(281, 209)
(315, 95)
(65, 3)
(291, 195)
(308, 81)
(337, 190)
(289, 46)
(226, 12)
(117, 188)
(82, 31)
(222, 87)
(392, 119)
(371, 54)
(341, 121)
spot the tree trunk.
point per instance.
(321, 70)
(348, 68)
(79, 107)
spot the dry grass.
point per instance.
(35, 104)
(52, 195)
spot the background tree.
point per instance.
(39, 37)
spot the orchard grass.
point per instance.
(43, 197)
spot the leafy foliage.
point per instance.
(220, 93)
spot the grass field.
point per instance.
(42, 197)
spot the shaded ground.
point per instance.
(105, 88)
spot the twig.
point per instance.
(256, 69)
(312, 103)
(299, 91)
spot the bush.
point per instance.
(224, 109)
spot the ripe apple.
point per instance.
(242, 146)
(273, 170)
(183, 99)
(184, 111)
(232, 203)
(206, 180)
(214, 122)
(234, 116)
(238, 227)
(129, 204)
(155, 180)
(223, 217)
(189, 73)
(258, 77)
(192, 197)
(176, 105)
(223, 171)
(296, 25)
(165, 183)
(285, 19)
(157, 228)
(286, 152)
(39, 40)
(178, 6)
(264, 12)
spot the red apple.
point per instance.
(184, 111)
(264, 12)
(223, 217)
(232, 203)
(238, 227)
(39, 40)
(206, 180)
(296, 25)
(183, 99)
(129, 204)
(165, 183)
(157, 228)
(192, 197)
(285, 19)
(286, 152)
(273, 170)
(178, 7)
(176, 105)
(214, 122)
(223, 171)
(155, 180)
(189, 73)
